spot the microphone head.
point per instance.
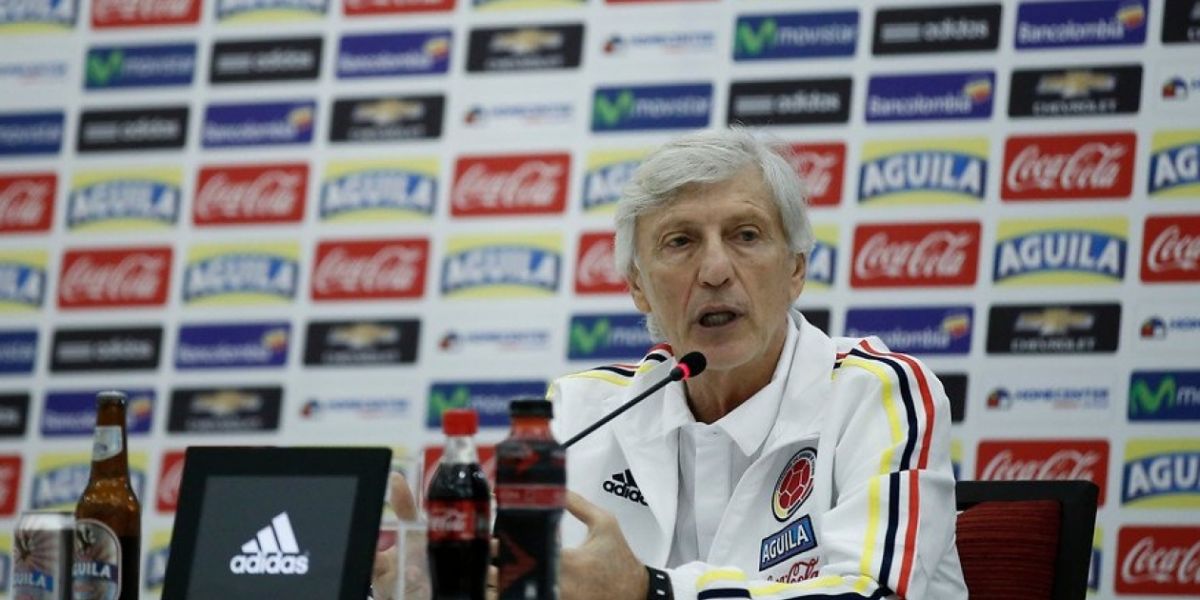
(692, 364)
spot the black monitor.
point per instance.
(298, 523)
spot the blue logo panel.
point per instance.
(139, 66)
(227, 125)
(1078, 23)
(926, 96)
(683, 106)
(389, 54)
(31, 133)
(1164, 396)
(924, 330)
(74, 412)
(614, 336)
(233, 345)
(803, 35)
(489, 399)
(796, 538)
(18, 351)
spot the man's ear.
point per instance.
(796, 281)
(634, 279)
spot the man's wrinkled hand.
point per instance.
(604, 567)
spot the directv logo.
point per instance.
(273, 551)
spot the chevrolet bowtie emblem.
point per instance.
(363, 335)
(385, 112)
(1076, 84)
(226, 402)
(1054, 321)
(526, 41)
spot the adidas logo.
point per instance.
(273, 551)
(622, 485)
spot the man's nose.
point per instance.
(715, 266)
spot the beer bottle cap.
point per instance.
(110, 396)
(531, 408)
(460, 421)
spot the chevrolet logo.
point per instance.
(1075, 84)
(526, 41)
(1054, 321)
(386, 112)
(226, 402)
(363, 335)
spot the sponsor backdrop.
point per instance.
(328, 221)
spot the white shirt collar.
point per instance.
(749, 423)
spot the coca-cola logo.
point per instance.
(915, 255)
(517, 185)
(595, 271)
(1159, 560)
(371, 269)
(27, 203)
(113, 278)
(1069, 167)
(10, 478)
(1172, 248)
(261, 194)
(1044, 461)
(821, 166)
(127, 13)
(169, 478)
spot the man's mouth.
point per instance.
(717, 318)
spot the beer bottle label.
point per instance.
(96, 574)
(107, 442)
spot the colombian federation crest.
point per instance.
(795, 484)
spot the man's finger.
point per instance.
(583, 510)
(401, 498)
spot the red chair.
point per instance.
(1028, 540)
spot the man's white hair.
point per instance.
(709, 157)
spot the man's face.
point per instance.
(715, 270)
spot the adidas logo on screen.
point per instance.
(272, 551)
(622, 485)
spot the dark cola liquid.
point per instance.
(459, 511)
(530, 489)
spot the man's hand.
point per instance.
(604, 567)
(384, 573)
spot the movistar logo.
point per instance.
(584, 339)
(610, 112)
(751, 40)
(101, 67)
(441, 400)
(1143, 401)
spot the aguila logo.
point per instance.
(251, 194)
(795, 484)
(1068, 167)
(510, 185)
(935, 254)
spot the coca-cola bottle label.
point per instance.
(107, 442)
(96, 574)
(458, 520)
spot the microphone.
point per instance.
(691, 365)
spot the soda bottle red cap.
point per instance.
(460, 421)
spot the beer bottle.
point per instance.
(108, 518)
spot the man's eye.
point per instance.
(748, 235)
(677, 242)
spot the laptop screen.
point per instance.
(276, 523)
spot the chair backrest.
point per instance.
(1028, 538)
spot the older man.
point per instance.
(796, 465)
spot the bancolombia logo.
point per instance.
(924, 96)
(273, 551)
(679, 106)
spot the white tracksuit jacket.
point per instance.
(869, 503)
